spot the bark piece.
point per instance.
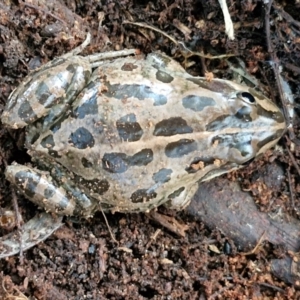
(221, 204)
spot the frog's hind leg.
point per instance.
(33, 232)
(39, 187)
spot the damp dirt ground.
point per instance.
(81, 260)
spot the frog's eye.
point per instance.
(246, 97)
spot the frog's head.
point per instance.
(252, 124)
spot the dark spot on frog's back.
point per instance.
(26, 112)
(164, 77)
(128, 67)
(129, 129)
(180, 148)
(120, 162)
(96, 186)
(163, 175)
(115, 162)
(197, 103)
(86, 163)
(141, 158)
(48, 143)
(89, 107)
(142, 196)
(172, 126)
(139, 91)
(221, 122)
(81, 138)
(242, 119)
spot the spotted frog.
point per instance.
(133, 134)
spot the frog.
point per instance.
(128, 134)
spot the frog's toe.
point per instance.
(33, 232)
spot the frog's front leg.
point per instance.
(40, 188)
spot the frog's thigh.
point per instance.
(40, 189)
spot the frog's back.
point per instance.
(128, 108)
(142, 128)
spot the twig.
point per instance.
(267, 26)
(144, 25)
(271, 286)
(168, 222)
(287, 16)
(18, 221)
(153, 238)
(227, 19)
(188, 53)
(185, 51)
(292, 192)
(295, 164)
(79, 48)
(291, 189)
(261, 239)
(292, 67)
(8, 296)
(108, 227)
(275, 68)
(285, 93)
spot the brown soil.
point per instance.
(80, 260)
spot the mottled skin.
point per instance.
(134, 134)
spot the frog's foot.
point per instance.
(95, 59)
(33, 232)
